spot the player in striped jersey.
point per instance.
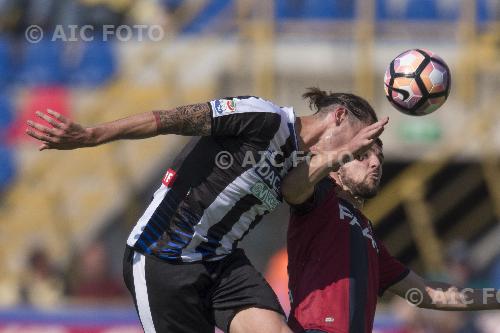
(182, 264)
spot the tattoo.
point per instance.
(190, 120)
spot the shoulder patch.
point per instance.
(224, 106)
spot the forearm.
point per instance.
(138, 126)
(189, 120)
(450, 298)
(299, 184)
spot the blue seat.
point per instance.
(422, 10)
(41, 63)
(289, 9)
(484, 12)
(315, 9)
(6, 114)
(7, 167)
(97, 65)
(5, 62)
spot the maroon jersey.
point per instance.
(336, 265)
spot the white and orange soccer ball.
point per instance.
(417, 82)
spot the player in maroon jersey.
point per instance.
(337, 267)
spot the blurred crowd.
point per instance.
(88, 279)
(17, 15)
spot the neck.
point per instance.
(345, 193)
(309, 131)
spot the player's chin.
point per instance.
(370, 194)
(369, 190)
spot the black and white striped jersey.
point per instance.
(220, 186)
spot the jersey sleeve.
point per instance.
(250, 118)
(391, 270)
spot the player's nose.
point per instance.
(374, 162)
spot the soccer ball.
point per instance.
(417, 82)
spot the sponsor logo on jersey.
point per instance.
(269, 173)
(169, 178)
(347, 215)
(266, 195)
(225, 106)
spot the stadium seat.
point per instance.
(414, 10)
(422, 10)
(5, 61)
(315, 9)
(407, 10)
(7, 166)
(41, 64)
(96, 65)
(6, 115)
(484, 11)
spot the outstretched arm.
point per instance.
(298, 185)
(443, 296)
(64, 134)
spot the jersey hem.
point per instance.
(175, 261)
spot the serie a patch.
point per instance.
(224, 106)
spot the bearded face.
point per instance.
(362, 176)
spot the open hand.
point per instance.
(366, 137)
(63, 135)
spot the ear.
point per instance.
(340, 115)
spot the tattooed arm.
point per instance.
(192, 120)
(64, 134)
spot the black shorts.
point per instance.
(194, 297)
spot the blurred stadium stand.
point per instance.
(442, 172)
(41, 64)
(94, 64)
(5, 62)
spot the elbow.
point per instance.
(287, 192)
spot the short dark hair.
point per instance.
(358, 106)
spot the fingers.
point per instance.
(374, 130)
(39, 136)
(58, 116)
(380, 123)
(46, 134)
(41, 128)
(384, 121)
(48, 119)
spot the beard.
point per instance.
(365, 189)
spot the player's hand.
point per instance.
(365, 138)
(62, 135)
